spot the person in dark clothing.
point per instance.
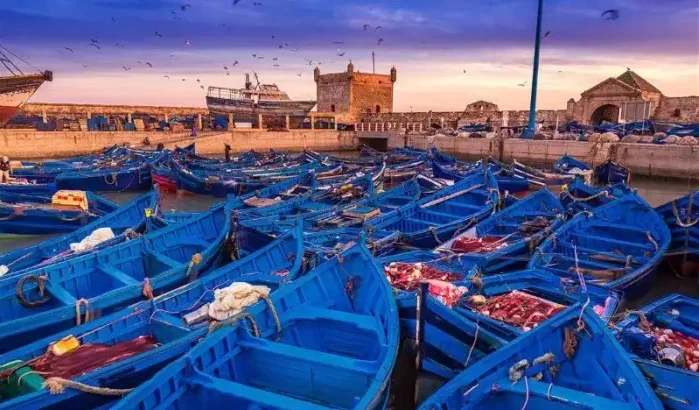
(227, 151)
(5, 170)
(160, 147)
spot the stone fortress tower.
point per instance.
(352, 94)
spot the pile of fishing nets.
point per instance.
(477, 245)
(409, 276)
(594, 137)
(688, 141)
(672, 139)
(609, 137)
(516, 308)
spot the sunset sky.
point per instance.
(431, 43)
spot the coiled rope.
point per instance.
(679, 221)
(78, 316)
(233, 319)
(40, 282)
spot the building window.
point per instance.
(676, 113)
(378, 108)
(368, 110)
(332, 108)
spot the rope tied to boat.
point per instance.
(78, 316)
(114, 180)
(586, 198)
(41, 284)
(652, 240)
(273, 310)
(194, 261)
(147, 289)
(643, 321)
(433, 231)
(235, 318)
(679, 221)
(473, 345)
(58, 385)
(477, 279)
(498, 202)
(17, 210)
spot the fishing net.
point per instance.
(409, 276)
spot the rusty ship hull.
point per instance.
(246, 109)
(15, 90)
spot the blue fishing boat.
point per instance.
(505, 240)
(566, 163)
(125, 348)
(28, 188)
(681, 216)
(135, 177)
(125, 222)
(506, 183)
(579, 197)
(610, 173)
(514, 303)
(22, 214)
(56, 296)
(332, 336)
(661, 339)
(618, 247)
(434, 219)
(570, 362)
(542, 178)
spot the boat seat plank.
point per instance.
(563, 394)
(599, 239)
(117, 274)
(310, 356)
(60, 293)
(360, 321)
(619, 227)
(587, 262)
(260, 397)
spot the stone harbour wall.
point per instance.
(454, 119)
(29, 144)
(671, 161)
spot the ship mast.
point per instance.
(9, 65)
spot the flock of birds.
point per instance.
(611, 14)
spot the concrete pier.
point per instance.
(30, 144)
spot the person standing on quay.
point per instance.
(227, 152)
(5, 170)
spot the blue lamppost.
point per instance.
(529, 132)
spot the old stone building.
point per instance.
(482, 106)
(628, 98)
(353, 93)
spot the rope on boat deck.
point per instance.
(433, 231)
(57, 385)
(41, 284)
(233, 319)
(679, 221)
(78, 316)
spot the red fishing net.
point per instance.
(408, 276)
(689, 344)
(89, 357)
(477, 245)
(516, 308)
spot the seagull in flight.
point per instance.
(96, 46)
(379, 42)
(275, 59)
(225, 68)
(149, 64)
(235, 63)
(522, 85)
(366, 26)
(118, 45)
(94, 41)
(300, 74)
(84, 65)
(277, 65)
(113, 20)
(342, 54)
(547, 34)
(158, 34)
(612, 14)
(198, 80)
(187, 43)
(184, 7)
(69, 49)
(236, 2)
(464, 71)
(184, 79)
(126, 68)
(378, 28)
(256, 3)
(201, 86)
(167, 76)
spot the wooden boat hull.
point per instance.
(110, 279)
(617, 247)
(542, 370)
(676, 387)
(132, 179)
(681, 219)
(247, 109)
(611, 173)
(34, 215)
(15, 91)
(129, 216)
(161, 318)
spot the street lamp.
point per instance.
(529, 132)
